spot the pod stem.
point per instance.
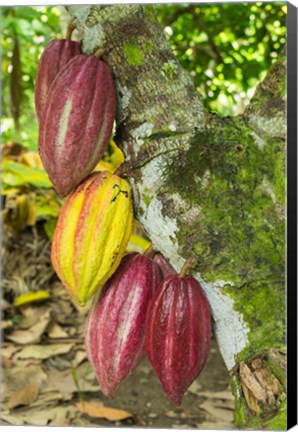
(99, 53)
(69, 30)
(149, 251)
(126, 169)
(123, 170)
(190, 263)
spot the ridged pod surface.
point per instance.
(77, 121)
(53, 59)
(178, 332)
(92, 233)
(164, 265)
(114, 332)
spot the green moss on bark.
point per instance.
(133, 54)
(241, 416)
(240, 235)
(279, 421)
(150, 14)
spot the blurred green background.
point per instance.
(227, 48)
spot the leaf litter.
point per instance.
(46, 377)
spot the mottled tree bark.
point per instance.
(208, 187)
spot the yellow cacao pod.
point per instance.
(92, 233)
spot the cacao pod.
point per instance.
(77, 121)
(53, 59)
(92, 233)
(177, 334)
(164, 265)
(114, 332)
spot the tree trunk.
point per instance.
(206, 187)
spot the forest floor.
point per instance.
(46, 378)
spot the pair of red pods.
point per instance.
(146, 307)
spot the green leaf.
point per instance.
(16, 174)
(44, 211)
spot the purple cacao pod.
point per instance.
(114, 332)
(164, 265)
(77, 121)
(177, 334)
(53, 59)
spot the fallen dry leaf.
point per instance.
(6, 324)
(31, 314)
(9, 350)
(56, 331)
(43, 351)
(28, 320)
(47, 398)
(54, 416)
(33, 334)
(23, 396)
(17, 377)
(63, 309)
(11, 418)
(80, 356)
(98, 410)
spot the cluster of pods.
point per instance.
(140, 304)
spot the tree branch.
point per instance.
(202, 184)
